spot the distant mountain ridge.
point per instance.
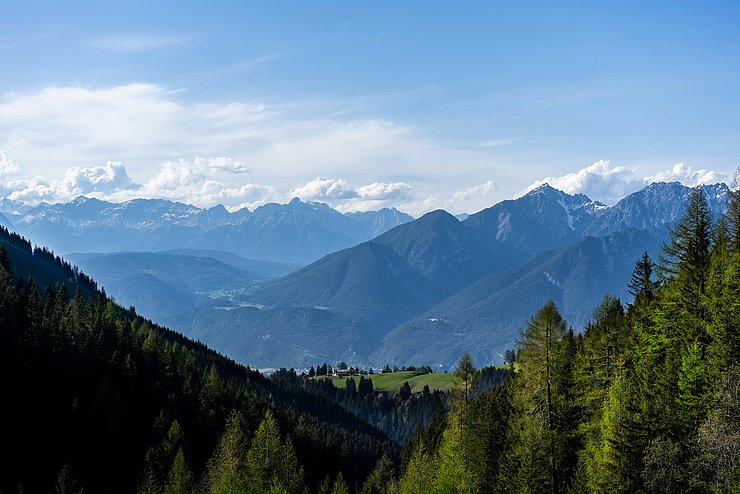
(297, 232)
(657, 205)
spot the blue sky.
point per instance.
(419, 105)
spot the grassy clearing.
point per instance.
(391, 382)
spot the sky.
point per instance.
(418, 105)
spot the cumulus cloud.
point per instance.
(323, 189)
(477, 190)
(7, 165)
(607, 183)
(108, 178)
(600, 181)
(95, 181)
(379, 191)
(196, 182)
(181, 180)
(340, 194)
(688, 176)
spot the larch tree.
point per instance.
(180, 478)
(541, 402)
(464, 372)
(270, 462)
(227, 467)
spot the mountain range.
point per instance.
(422, 292)
(297, 232)
(472, 284)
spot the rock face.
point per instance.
(540, 220)
(655, 207)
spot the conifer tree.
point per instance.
(382, 479)
(7, 292)
(541, 386)
(269, 462)
(733, 213)
(723, 302)
(464, 373)
(686, 257)
(612, 454)
(418, 478)
(641, 284)
(340, 486)
(693, 390)
(227, 467)
(453, 473)
(180, 478)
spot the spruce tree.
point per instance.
(686, 257)
(641, 284)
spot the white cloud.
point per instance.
(339, 194)
(600, 181)
(143, 123)
(108, 178)
(688, 176)
(366, 146)
(95, 181)
(182, 175)
(196, 183)
(379, 191)
(322, 189)
(7, 165)
(180, 180)
(67, 126)
(138, 42)
(477, 190)
(148, 126)
(222, 163)
(603, 182)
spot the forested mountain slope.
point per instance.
(484, 318)
(97, 397)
